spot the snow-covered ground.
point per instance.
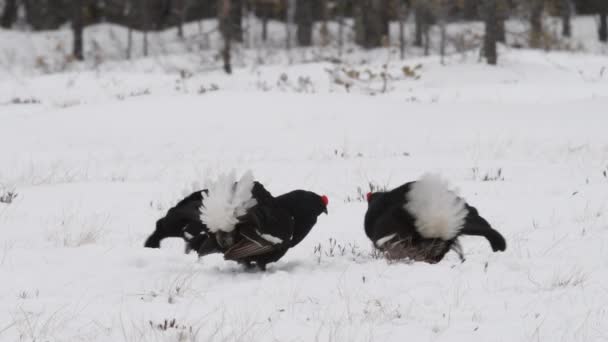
(96, 155)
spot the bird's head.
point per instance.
(371, 196)
(304, 204)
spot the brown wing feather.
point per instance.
(246, 248)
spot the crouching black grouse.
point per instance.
(256, 230)
(422, 221)
(241, 220)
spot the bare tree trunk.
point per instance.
(603, 29)
(443, 16)
(250, 16)
(127, 12)
(372, 23)
(265, 13)
(471, 9)
(380, 22)
(359, 9)
(224, 11)
(491, 35)
(129, 42)
(304, 22)
(566, 13)
(77, 29)
(501, 35)
(422, 22)
(502, 9)
(236, 20)
(324, 29)
(180, 29)
(536, 23)
(290, 12)
(145, 17)
(9, 16)
(182, 10)
(145, 44)
(402, 15)
(341, 17)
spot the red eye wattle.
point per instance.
(325, 200)
(369, 196)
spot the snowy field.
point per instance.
(97, 154)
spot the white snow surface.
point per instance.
(100, 154)
(438, 211)
(227, 199)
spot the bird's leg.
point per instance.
(457, 247)
(195, 243)
(247, 264)
(208, 247)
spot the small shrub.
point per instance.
(361, 195)
(334, 249)
(488, 176)
(7, 195)
(302, 84)
(340, 153)
(570, 279)
(134, 93)
(212, 87)
(184, 332)
(24, 100)
(73, 231)
(371, 81)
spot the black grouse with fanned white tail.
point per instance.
(271, 229)
(241, 220)
(422, 221)
(259, 234)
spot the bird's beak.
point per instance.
(325, 211)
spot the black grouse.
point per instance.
(274, 228)
(261, 235)
(422, 221)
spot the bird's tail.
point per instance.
(226, 201)
(477, 225)
(438, 211)
(153, 241)
(161, 232)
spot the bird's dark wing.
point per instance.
(263, 230)
(382, 203)
(183, 214)
(393, 221)
(247, 248)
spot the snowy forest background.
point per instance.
(322, 23)
(112, 111)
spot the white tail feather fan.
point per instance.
(438, 211)
(226, 201)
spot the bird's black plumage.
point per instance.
(184, 221)
(271, 228)
(262, 236)
(395, 230)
